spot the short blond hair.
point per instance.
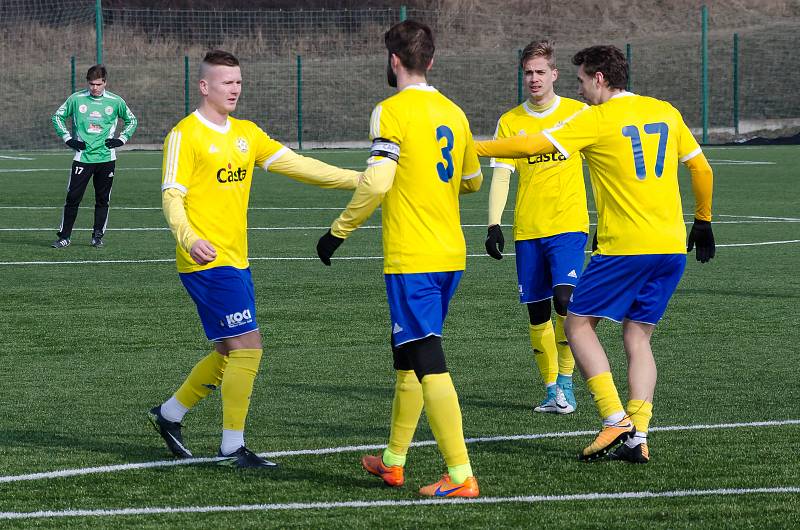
(539, 48)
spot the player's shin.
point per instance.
(640, 412)
(237, 386)
(566, 361)
(545, 353)
(606, 397)
(444, 416)
(205, 377)
(406, 410)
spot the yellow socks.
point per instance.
(204, 377)
(458, 474)
(237, 385)
(444, 417)
(566, 362)
(406, 409)
(543, 342)
(640, 412)
(606, 397)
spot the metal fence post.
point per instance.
(185, 85)
(98, 29)
(299, 102)
(72, 73)
(704, 53)
(629, 58)
(519, 77)
(736, 83)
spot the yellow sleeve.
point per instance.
(378, 179)
(471, 177)
(498, 194)
(503, 130)
(312, 171)
(178, 162)
(471, 184)
(702, 185)
(515, 146)
(172, 203)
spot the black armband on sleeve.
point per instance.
(385, 148)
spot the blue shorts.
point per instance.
(634, 287)
(545, 262)
(418, 303)
(225, 299)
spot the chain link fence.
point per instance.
(313, 76)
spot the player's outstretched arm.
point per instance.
(515, 146)
(312, 171)
(701, 235)
(378, 179)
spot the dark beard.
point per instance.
(391, 77)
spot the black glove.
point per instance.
(495, 242)
(702, 236)
(78, 145)
(113, 143)
(594, 241)
(326, 246)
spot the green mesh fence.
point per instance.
(343, 64)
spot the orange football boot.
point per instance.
(445, 488)
(607, 439)
(391, 475)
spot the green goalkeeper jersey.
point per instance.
(95, 120)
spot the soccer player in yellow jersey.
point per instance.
(207, 173)
(551, 223)
(422, 158)
(632, 145)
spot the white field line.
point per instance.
(689, 216)
(67, 169)
(134, 150)
(528, 499)
(364, 227)
(355, 168)
(360, 448)
(740, 163)
(314, 258)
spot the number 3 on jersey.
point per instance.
(445, 168)
(632, 132)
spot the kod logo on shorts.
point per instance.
(239, 318)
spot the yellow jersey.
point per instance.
(213, 167)
(420, 212)
(632, 145)
(551, 196)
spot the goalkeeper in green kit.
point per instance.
(94, 113)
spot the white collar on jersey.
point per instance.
(527, 106)
(223, 129)
(622, 94)
(101, 96)
(420, 86)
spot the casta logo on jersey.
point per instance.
(239, 318)
(546, 157)
(228, 174)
